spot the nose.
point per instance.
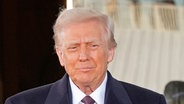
(83, 55)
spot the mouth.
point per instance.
(85, 68)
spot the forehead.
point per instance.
(80, 42)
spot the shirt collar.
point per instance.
(98, 95)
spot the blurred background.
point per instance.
(149, 33)
(27, 56)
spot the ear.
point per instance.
(111, 54)
(60, 56)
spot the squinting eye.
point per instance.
(72, 48)
(94, 46)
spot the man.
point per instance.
(85, 44)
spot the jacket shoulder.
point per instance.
(32, 96)
(142, 95)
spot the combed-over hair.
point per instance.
(77, 15)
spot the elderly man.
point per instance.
(85, 44)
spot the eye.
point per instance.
(72, 48)
(94, 46)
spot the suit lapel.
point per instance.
(115, 92)
(60, 92)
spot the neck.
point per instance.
(87, 90)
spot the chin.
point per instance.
(85, 80)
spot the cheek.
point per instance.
(100, 58)
(69, 65)
(69, 59)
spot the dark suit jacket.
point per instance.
(117, 92)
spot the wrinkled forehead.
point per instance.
(86, 41)
(76, 34)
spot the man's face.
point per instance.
(84, 52)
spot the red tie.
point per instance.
(87, 100)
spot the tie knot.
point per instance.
(87, 100)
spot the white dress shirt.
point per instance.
(98, 95)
